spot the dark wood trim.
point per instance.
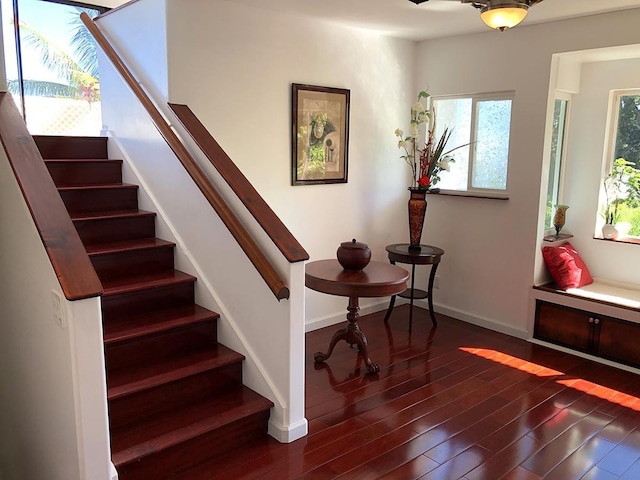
(66, 252)
(72, 3)
(264, 215)
(244, 239)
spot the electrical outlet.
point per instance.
(56, 303)
(436, 282)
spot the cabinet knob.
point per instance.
(597, 321)
(590, 319)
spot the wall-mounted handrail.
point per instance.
(77, 277)
(252, 200)
(246, 242)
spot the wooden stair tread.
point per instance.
(138, 378)
(81, 160)
(152, 436)
(145, 282)
(111, 214)
(100, 186)
(127, 245)
(175, 395)
(149, 324)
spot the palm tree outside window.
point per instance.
(52, 67)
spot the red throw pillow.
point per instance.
(566, 266)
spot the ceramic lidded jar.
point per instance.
(354, 255)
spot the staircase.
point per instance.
(175, 395)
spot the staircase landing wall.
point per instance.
(53, 416)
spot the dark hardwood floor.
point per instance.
(453, 402)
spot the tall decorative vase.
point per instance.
(559, 218)
(417, 211)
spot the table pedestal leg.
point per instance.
(413, 288)
(391, 302)
(432, 278)
(351, 334)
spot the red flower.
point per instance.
(424, 181)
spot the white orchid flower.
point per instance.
(444, 164)
(417, 108)
(399, 133)
(403, 144)
(414, 131)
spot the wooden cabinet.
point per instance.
(581, 330)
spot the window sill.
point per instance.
(630, 240)
(474, 194)
(563, 237)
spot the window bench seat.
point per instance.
(601, 319)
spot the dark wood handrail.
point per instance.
(77, 277)
(264, 215)
(246, 242)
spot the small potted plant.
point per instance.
(621, 187)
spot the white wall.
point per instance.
(243, 94)
(252, 321)
(53, 416)
(234, 67)
(491, 245)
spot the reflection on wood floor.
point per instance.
(454, 402)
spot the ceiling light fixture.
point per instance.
(502, 14)
(498, 14)
(502, 18)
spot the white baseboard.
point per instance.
(114, 472)
(342, 316)
(288, 434)
(451, 312)
(476, 320)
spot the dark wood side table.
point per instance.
(427, 255)
(376, 280)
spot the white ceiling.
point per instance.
(435, 18)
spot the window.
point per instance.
(621, 187)
(556, 167)
(483, 122)
(53, 70)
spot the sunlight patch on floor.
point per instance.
(609, 394)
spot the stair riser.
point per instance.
(115, 229)
(71, 147)
(151, 351)
(118, 265)
(136, 303)
(153, 348)
(77, 173)
(100, 200)
(206, 447)
(157, 401)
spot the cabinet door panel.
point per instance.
(619, 340)
(563, 326)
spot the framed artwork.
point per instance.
(320, 139)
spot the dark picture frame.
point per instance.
(320, 135)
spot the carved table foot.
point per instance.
(342, 334)
(351, 334)
(371, 366)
